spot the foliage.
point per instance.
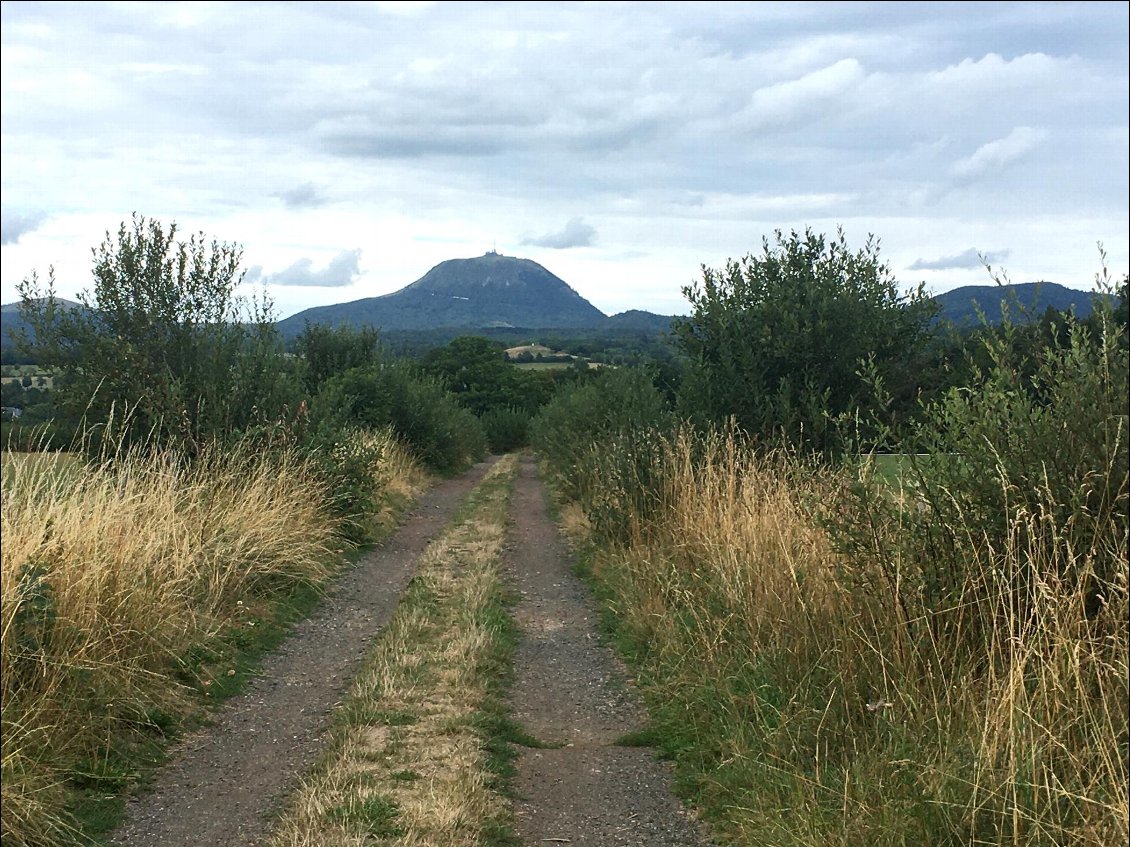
(347, 462)
(597, 437)
(443, 435)
(1037, 433)
(162, 348)
(476, 370)
(506, 429)
(777, 340)
(327, 351)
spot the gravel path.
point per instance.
(222, 783)
(570, 689)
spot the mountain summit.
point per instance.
(488, 291)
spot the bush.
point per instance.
(348, 465)
(597, 439)
(1032, 455)
(162, 347)
(506, 429)
(441, 434)
(777, 340)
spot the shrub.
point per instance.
(596, 438)
(442, 434)
(777, 340)
(1044, 441)
(347, 463)
(506, 429)
(162, 346)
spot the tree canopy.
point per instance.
(778, 340)
(162, 344)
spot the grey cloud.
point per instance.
(971, 258)
(411, 143)
(14, 225)
(305, 196)
(576, 233)
(342, 270)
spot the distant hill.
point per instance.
(960, 305)
(497, 295)
(488, 291)
(11, 322)
(635, 319)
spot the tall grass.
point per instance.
(808, 702)
(112, 577)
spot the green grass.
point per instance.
(544, 366)
(57, 467)
(897, 470)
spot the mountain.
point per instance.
(488, 291)
(960, 305)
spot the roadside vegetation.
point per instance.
(214, 485)
(419, 750)
(937, 656)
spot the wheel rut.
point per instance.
(570, 690)
(222, 783)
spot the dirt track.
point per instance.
(569, 689)
(222, 784)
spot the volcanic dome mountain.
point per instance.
(488, 291)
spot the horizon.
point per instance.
(279, 317)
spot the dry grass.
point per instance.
(407, 763)
(401, 478)
(110, 578)
(817, 716)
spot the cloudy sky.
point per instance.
(349, 147)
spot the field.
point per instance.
(59, 466)
(543, 366)
(533, 350)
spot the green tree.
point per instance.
(329, 351)
(162, 346)
(476, 370)
(779, 340)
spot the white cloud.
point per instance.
(687, 130)
(804, 98)
(971, 258)
(14, 225)
(995, 155)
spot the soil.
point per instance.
(223, 783)
(569, 689)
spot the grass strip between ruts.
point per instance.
(420, 751)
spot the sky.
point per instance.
(349, 147)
